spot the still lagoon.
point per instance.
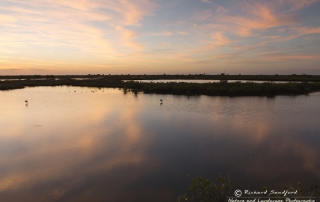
(90, 144)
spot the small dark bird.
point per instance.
(26, 101)
(161, 100)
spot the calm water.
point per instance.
(103, 145)
(206, 81)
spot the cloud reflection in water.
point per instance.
(121, 147)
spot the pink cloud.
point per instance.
(219, 39)
(163, 33)
(298, 4)
(68, 23)
(292, 57)
(258, 17)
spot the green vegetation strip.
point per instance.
(222, 88)
(203, 190)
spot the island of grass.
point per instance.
(293, 84)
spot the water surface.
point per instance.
(90, 144)
(208, 81)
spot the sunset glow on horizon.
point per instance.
(159, 36)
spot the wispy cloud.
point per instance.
(298, 4)
(280, 56)
(87, 26)
(104, 33)
(163, 33)
(220, 39)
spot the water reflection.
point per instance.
(208, 81)
(110, 146)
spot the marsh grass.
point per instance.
(223, 88)
(203, 190)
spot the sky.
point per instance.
(159, 36)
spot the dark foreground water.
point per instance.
(103, 145)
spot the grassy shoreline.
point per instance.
(307, 84)
(292, 77)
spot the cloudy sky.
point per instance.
(159, 36)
